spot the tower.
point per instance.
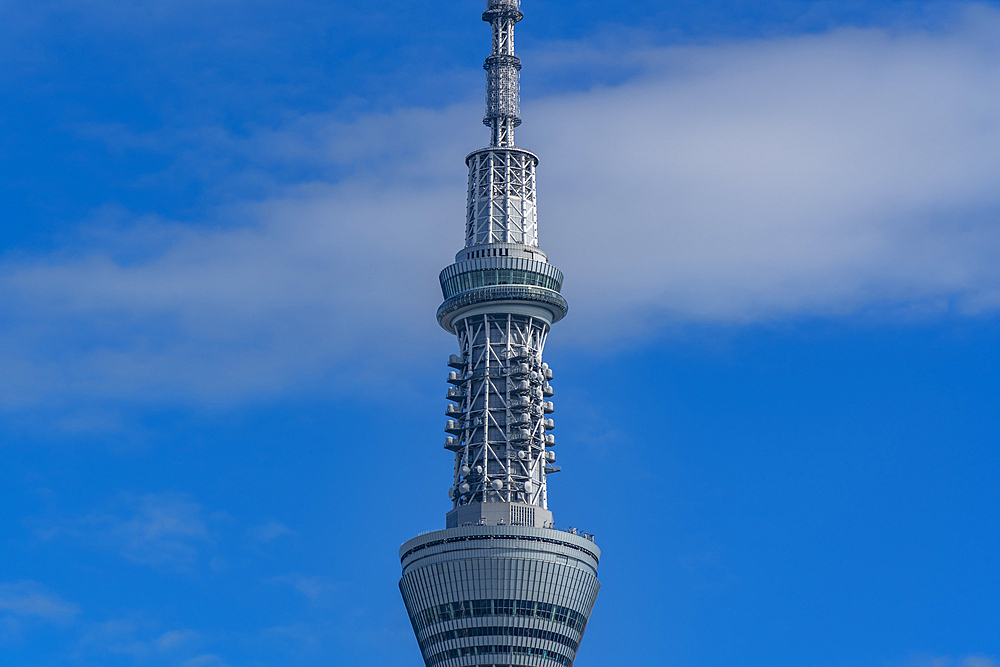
(500, 586)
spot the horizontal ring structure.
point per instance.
(502, 12)
(441, 540)
(474, 273)
(499, 631)
(468, 538)
(450, 654)
(524, 609)
(557, 305)
(501, 150)
(502, 61)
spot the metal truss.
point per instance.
(498, 420)
(502, 67)
(501, 203)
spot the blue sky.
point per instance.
(222, 386)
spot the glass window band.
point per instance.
(554, 656)
(453, 611)
(489, 271)
(500, 631)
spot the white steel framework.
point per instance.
(500, 586)
(501, 297)
(499, 422)
(501, 202)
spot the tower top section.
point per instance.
(502, 67)
(501, 204)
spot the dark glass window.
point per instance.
(498, 649)
(498, 631)
(480, 608)
(486, 277)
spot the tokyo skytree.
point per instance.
(500, 586)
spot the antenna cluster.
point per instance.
(502, 68)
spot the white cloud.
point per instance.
(205, 660)
(979, 661)
(815, 175)
(29, 599)
(304, 636)
(853, 171)
(175, 639)
(269, 531)
(313, 587)
(136, 637)
(976, 660)
(161, 530)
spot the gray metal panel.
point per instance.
(517, 577)
(500, 539)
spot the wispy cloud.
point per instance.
(847, 172)
(817, 175)
(205, 660)
(155, 529)
(269, 531)
(138, 638)
(166, 530)
(302, 636)
(313, 587)
(947, 661)
(30, 599)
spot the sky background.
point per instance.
(222, 384)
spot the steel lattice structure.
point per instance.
(469, 588)
(501, 207)
(501, 296)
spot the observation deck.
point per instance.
(501, 284)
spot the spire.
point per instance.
(501, 201)
(502, 67)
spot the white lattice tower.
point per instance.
(501, 297)
(501, 202)
(500, 585)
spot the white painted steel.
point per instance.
(500, 586)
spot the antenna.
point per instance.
(502, 67)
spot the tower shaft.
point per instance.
(500, 586)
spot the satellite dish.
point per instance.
(529, 487)
(463, 488)
(464, 470)
(497, 484)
